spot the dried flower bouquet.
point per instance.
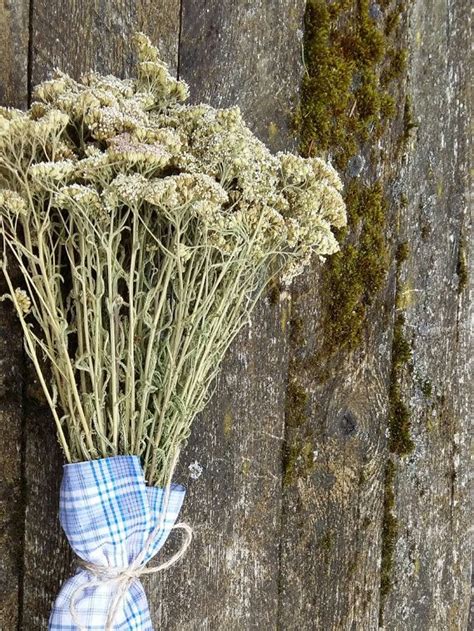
(145, 230)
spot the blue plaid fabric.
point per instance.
(108, 514)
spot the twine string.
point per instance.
(122, 577)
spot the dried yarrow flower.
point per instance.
(147, 229)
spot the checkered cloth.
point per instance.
(108, 515)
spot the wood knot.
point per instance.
(348, 423)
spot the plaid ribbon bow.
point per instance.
(115, 524)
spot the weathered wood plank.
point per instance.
(323, 571)
(333, 493)
(338, 399)
(82, 34)
(244, 53)
(14, 24)
(333, 525)
(432, 557)
(75, 36)
(13, 92)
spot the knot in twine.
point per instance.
(123, 577)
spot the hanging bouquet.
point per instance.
(144, 231)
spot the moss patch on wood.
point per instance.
(401, 255)
(409, 123)
(389, 535)
(296, 404)
(353, 65)
(349, 64)
(354, 275)
(400, 441)
(298, 461)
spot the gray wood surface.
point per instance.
(273, 551)
(14, 92)
(432, 556)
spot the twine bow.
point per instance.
(123, 577)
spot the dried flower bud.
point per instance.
(23, 301)
(12, 202)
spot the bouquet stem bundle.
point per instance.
(145, 231)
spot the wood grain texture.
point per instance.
(13, 92)
(244, 53)
(14, 37)
(11, 486)
(99, 40)
(432, 556)
(333, 502)
(79, 35)
(287, 514)
(333, 493)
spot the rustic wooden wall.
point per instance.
(269, 554)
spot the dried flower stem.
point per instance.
(145, 231)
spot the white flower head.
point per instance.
(23, 301)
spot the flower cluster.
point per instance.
(141, 126)
(167, 220)
(12, 202)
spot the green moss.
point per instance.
(401, 255)
(346, 102)
(392, 20)
(400, 441)
(326, 541)
(401, 350)
(343, 102)
(396, 66)
(298, 461)
(426, 388)
(326, 86)
(399, 423)
(461, 267)
(296, 404)
(389, 535)
(409, 122)
(353, 276)
(289, 465)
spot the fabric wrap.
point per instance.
(108, 514)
